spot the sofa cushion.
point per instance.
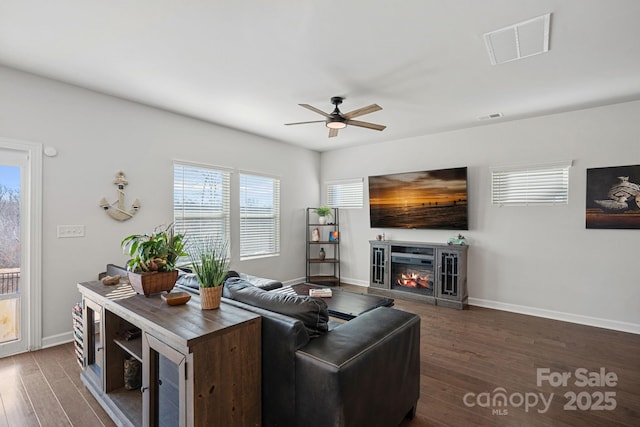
(230, 274)
(312, 312)
(261, 282)
(188, 279)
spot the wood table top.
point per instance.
(182, 325)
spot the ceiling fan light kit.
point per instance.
(335, 123)
(336, 120)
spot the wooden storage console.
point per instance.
(431, 272)
(199, 367)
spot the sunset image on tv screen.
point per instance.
(428, 199)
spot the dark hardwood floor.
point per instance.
(43, 388)
(463, 353)
(475, 351)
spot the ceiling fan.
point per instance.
(337, 120)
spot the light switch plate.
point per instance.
(65, 231)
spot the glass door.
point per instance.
(163, 384)
(14, 286)
(93, 342)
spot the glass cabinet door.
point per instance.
(93, 342)
(449, 275)
(163, 384)
(378, 267)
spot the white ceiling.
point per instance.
(246, 64)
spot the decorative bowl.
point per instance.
(176, 298)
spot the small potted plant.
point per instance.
(210, 263)
(323, 212)
(152, 267)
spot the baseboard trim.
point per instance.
(294, 281)
(355, 282)
(55, 340)
(558, 315)
(342, 279)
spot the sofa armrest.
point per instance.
(365, 372)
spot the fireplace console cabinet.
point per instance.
(431, 272)
(198, 367)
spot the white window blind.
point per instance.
(531, 185)
(259, 216)
(201, 206)
(345, 194)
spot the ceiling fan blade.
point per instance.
(333, 132)
(304, 123)
(365, 125)
(362, 111)
(314, 109)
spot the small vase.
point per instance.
(210, 298)
(132, 374)
(322, 220)
(322, 254)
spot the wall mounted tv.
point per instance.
(434, 199)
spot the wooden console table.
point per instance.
(199, 367)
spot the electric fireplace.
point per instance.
(413, 272)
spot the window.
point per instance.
(531, 185)
(201, 202)
(259, 216)
(345, 193)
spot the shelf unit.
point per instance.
(322, 271)
(199, 367)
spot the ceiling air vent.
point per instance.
(518, 41)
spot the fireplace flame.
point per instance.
(414, 280)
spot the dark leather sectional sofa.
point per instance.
(365, 372)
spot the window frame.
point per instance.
(531, 185)
(272, 248)
(224, 213)
(354, 202)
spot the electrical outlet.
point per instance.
(70, 231)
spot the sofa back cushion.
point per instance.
(188, 279)
(312, 312)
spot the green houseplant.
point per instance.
(323, 212)
(152, 266)
(210, 263)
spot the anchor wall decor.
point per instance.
(116, 209)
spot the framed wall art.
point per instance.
(613, 197)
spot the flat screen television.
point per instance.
(434, 199)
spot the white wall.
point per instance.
(538, 260)
(97, 135)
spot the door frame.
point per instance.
(31, 238)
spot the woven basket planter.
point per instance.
(210, 297)
(152, 283)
